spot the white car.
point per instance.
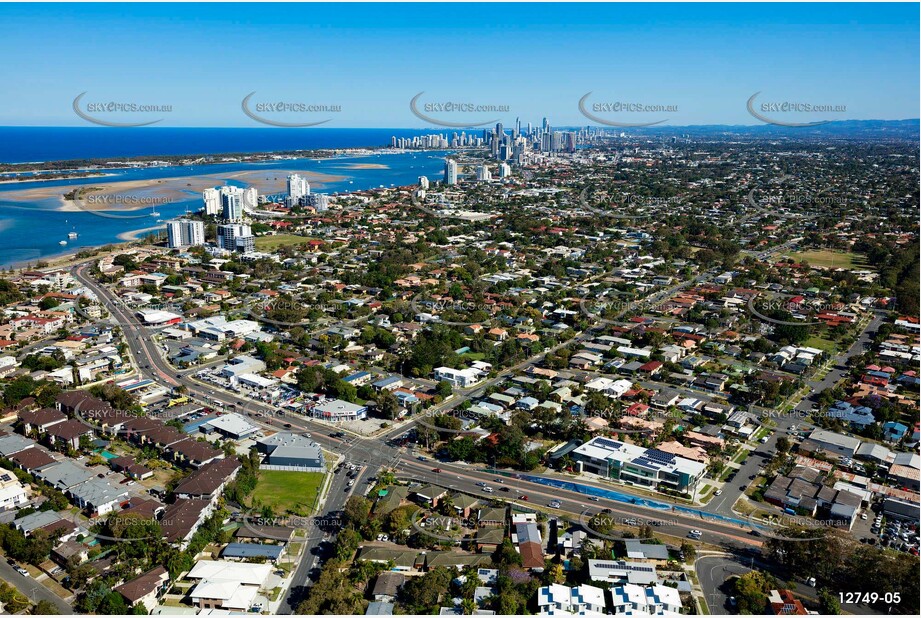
(717, 492)
(695, 534)
(487, 489)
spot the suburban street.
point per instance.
(376, 454)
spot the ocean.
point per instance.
(35, 144)
(32, 225)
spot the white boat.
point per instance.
(63, 242)
(72, 235)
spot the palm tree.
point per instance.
(468, 606)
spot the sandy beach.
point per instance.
(137, 234)
(57, 178)
(129, 195)
(364, 166)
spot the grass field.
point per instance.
(288, 492)
(270, 243)
(822, 344)
(831, 259)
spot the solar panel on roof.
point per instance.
(657, 455)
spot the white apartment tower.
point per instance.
(450, 172)
(232, 203)
(212, 199)
(184, 233)
(298, 187)
(250, 198)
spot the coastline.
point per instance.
(157, 189)
(65, 258)
(133, 235)
(11, 181)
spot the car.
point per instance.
(504, 489)
(555, 504)
(436, 470)
(731, 601)
(594, 498)
(351, 483)
(487, 489)
(287, 425)
(481, 484)
(863, 516)
(420, 458)
(695, 534)
(22, 572)
(523, 497)
(718, 492)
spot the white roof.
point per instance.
(232, 423)
(252, 378)
(242, 572)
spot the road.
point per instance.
(376, 454)
(32, 589)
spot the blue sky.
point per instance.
(538, 59)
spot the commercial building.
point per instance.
(338, 410)
(287, 450)
(635, 465)
(232, 426)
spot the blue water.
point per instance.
(33, 144)
(610, 494)
(32, 229)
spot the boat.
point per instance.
(63, 242)
(153, 212)
(72, 235)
